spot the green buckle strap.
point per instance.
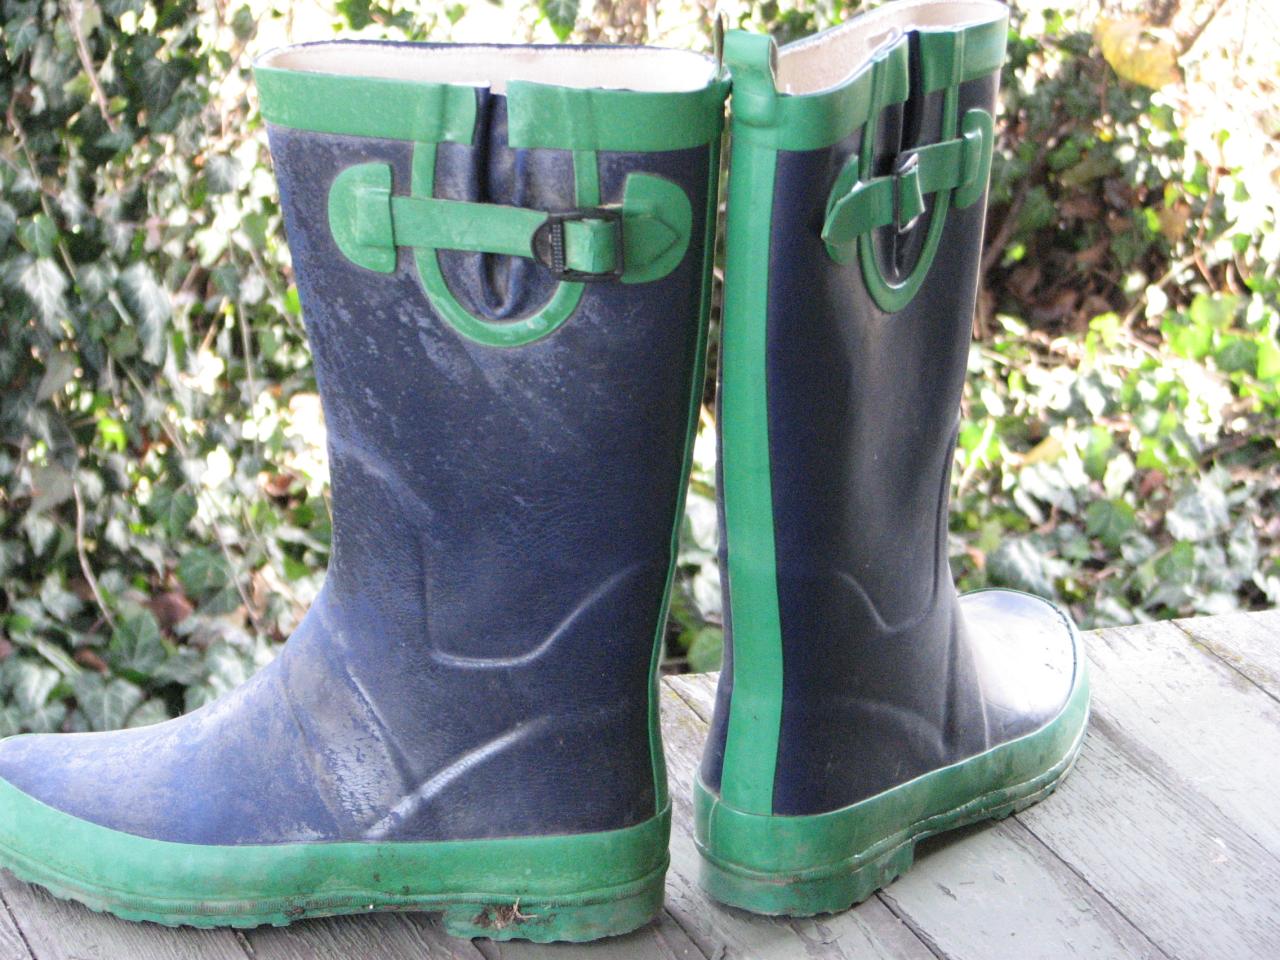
(955, 170)
(961, 165)
(644, 238)
(641, 240)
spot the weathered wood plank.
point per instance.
(871, 931)
(366, 937)
(12, 946)
(1248, 642)
(63, 930)
(1187, 876)
(661, 940)
(994, 892)
(1182, 712)
(990, 892)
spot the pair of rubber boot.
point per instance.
(504, 260)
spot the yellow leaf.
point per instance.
(1046, 451)
(1137, 52)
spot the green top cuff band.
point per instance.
(538, 114)
(816, 120)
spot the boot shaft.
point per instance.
(843, 366)
(507, 442)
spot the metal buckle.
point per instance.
(548, 243)
(905, 166)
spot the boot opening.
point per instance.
(494, 66)
(829, 59)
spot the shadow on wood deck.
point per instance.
(1164, 842)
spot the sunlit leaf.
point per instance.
(151, 308)
(106, 704)
(1137, 52)
(136, 645)
(45, 285)
(561, 14)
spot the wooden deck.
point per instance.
(1164, 842)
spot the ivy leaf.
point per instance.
(1138, 52)
(136, 646)
(8, 223)
(1198, 514)
(221, 173)
(202, 571)
(151, 308)
(183, 667)
(707, 650)
(561, 14)
(1023, 564)
(30, 684)
(106, 704)
(357, 13)
(45, 285)
(38, 235)
(173, 510)
(1110, 521)
(151, 711)
(61, 603)
(59, 368)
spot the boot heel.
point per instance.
(543, 920)
(788, 895)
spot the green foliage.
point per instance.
(1129, 480)
(162, 514)
(561, 14)
(153, 375)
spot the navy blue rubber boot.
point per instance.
(863, 705)
(503, 260)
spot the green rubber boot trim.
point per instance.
(511, 333)
(755, 709)
(824, 863)
(571, 887)
(539, 115)
(368, 222)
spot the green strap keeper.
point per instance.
(642, 239)
(961, 164)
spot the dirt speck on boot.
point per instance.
(500, 916)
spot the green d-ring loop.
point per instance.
(893, 297)
(503, 333)
(954, 170)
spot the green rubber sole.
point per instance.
(806, 865)
(574, 887)
(841, 886)
(589, 916)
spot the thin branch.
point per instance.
(86, 61)
(83, 554)
(213, 523)
(1194, 37)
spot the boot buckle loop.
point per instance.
(908, 200)
(548, 244)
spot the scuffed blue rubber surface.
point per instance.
(477, 664)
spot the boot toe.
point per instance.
(1027, 652)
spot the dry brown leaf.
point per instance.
(1138, 52)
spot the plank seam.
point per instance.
(1207, 645)
(245, 945)
(22, 934)
(675, 921)
(1071, 868)
(687, 702)
(916, 930)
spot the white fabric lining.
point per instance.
(828, 59)
(614, 68)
